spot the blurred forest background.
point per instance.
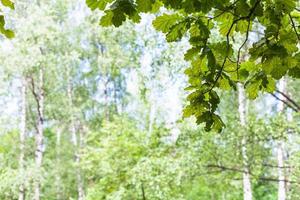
(96, 113)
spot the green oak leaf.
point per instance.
(164, 22)
(106, 20)
(97, 4)
(8, 33)
(145, 5)
(177, 31)
(252, 89)
(8, 3)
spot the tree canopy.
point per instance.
(267, 51)
(95, 113)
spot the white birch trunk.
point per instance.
(281, 177)
(280, 150)
(22, 137)
(75, 142)
(246, 174)
(40, 135)
(289, 171)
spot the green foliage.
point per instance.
(10, 177)
(8, 3)
(116, 141)
(273, 54)
(3, 30)
(8, 33)
(99, 4)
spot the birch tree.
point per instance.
(37, 88)
(74, 135)
(58, 146)
(242, 114)
(281, 149)
(22, 135)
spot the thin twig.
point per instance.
(294, 27)
(240, 49)
(248, 17)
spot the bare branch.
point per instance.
(234, 169)
(285, 102)
(226, 168)
(289, 99)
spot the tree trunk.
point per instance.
(151, 119)
(40, 134)
(289, 171)
(75, 142)
(58, 161)
(79, 173)
(246, 174)
(280, 150)
(106, 99)
(281, 177)
(22, 137)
